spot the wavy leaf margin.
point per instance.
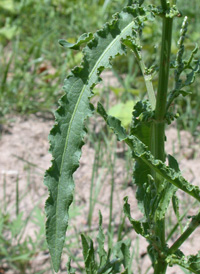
(66, 137)
(140, 151)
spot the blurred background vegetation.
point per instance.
(33, 65)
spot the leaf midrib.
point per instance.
(76, 106)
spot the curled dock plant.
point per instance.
(156, 182)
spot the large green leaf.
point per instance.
(173, 177)
(140, 151)
(66, 137)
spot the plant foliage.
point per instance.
(156, 182)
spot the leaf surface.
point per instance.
(66, 137)
(139, 227)
(141, 127)
(175, 178)
(100, 240)
(140, 151)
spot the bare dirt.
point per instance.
(24, 158)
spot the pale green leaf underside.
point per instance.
(66, 137)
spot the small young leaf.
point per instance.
(192, 262)
(126, 259)
(70, 270)
(175, 203)
(173, 163)
(100, 240)
(191, 76)
(88, 254)
(85, 246)
(139, 227)
(109, 266)
(90, 263)
(164, 200)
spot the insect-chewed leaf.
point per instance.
(66, 137)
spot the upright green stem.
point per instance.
(163, 4)
(191, 228)
(161, 100)
(164, 69)
(158, 128)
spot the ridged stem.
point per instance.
(163, 4)
(158, 129)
